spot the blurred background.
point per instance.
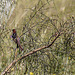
(37, 23)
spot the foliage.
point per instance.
(41, 25)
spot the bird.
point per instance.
(16, 39)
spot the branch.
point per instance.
(30, 53)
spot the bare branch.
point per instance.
(30, 53)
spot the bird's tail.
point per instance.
(19, 45)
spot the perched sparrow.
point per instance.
(16, 39)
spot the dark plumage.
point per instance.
(16, 39)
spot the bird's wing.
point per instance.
(18, 41)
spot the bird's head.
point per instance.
(14, 31)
